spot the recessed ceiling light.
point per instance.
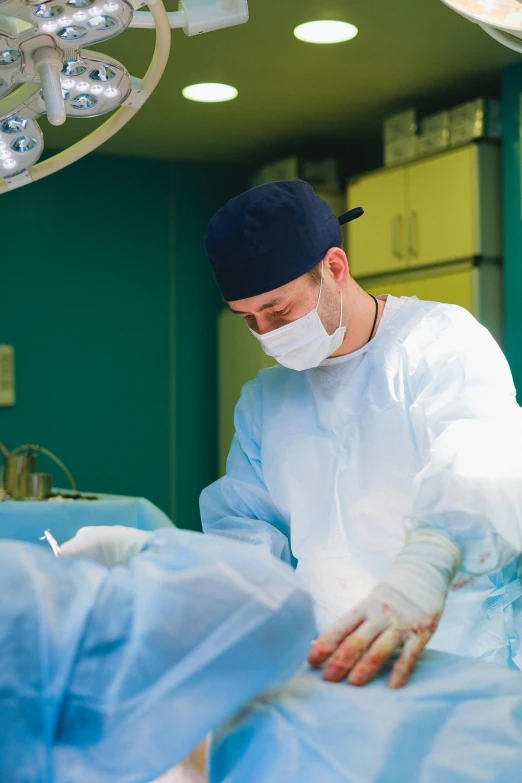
(210, 92)
(325, 31)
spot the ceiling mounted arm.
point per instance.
(506, 39)
(200, 16)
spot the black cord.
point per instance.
(375, 319)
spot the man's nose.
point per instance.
(263, 324)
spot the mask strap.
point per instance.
(321, 291)
(321, 288)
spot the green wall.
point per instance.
(110, 306)
(198, 191)
(512, 210)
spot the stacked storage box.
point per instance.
(322, 175)
(479, 119)
(401, 142)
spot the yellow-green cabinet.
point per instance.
(476, 287)
(445, 208)
(240, 357)
(377, 245)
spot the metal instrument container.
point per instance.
(22, 481)
(35, 486)
(15, 466)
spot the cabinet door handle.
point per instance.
(413, 232)
(397, 236)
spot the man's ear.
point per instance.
(336, 263)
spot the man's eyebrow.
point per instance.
(266, 306)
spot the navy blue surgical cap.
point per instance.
(270, 236)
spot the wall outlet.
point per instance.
(7, 376)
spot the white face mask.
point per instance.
(305, 343)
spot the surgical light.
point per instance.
(74, 68)
(13, 124)
(21, 144)
(43, 71)
(325, 31)
(48, 11)
(103, 74)
(102, 22)
(84, 102)
(500, 19)
(72, 32)
(24, 144)
(9, 56)
(210, 92)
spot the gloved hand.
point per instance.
(108, 546)
(401, 613)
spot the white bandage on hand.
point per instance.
(402, 612)
(108, 546)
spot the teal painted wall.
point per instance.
(198, 191)
(512, 210)
(110, 306)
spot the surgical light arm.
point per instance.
(199, 16)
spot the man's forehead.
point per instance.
(266, 301)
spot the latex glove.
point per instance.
(108, 546)
(401, 613)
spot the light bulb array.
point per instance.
(43, 71)
(73, 20)
(21, 143)
(87, 84)
(93, 87)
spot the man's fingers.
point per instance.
(406, 661)
(353, 647)
(328, 642)
(379, 653)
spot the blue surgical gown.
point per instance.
(332, 467)
(114, 676)
(457, 721)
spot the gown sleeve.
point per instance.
(468, 430)
(239, 505)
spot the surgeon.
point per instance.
(115, 675)
(383, 456)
